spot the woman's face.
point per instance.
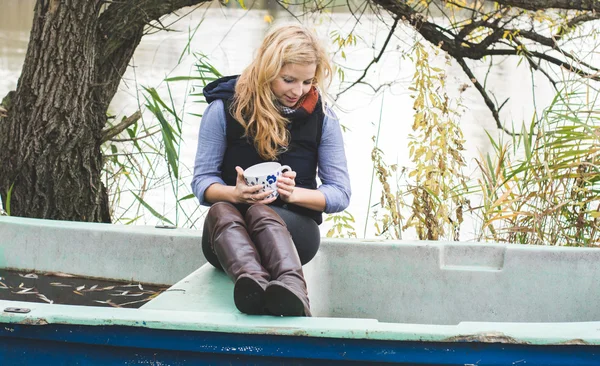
(293, 81)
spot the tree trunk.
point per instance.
(50, 157)
(50, 141)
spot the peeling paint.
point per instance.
(575, 342)
(488, 337)
(301, 333)
(279, 330)
(34, 321)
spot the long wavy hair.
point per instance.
(254, 103)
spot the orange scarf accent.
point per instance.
(308, 101)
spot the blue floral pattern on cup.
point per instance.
(269, 181)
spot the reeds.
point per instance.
(541, 187)
(550, 194)
(147, 160)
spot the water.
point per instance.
(229, 36)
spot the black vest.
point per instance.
(301, 155)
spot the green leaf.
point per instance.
(152, 211)
(189, 196)
(187, 78)
(527, 137)
(131, 221)
(187, 47)
(157, 99)
(168, 138)
(8, 198)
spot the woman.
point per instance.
(272, 112)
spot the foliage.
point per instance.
(8, 198)
(540, 188)
(342, 225)
(388, 219)
(473, 32)
(436, 151)
(548, 196)
(133, 164)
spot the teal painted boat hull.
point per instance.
(80, 345)
(412, 303)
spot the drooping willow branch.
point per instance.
(488, 101)
(374, 60)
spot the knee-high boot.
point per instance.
(286, 294)
(238, 256)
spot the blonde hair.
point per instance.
(254, 103)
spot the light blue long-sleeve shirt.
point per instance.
(331, 167)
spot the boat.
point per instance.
(373, 302)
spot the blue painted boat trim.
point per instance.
(61, 344)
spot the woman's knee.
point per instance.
(216, 209)
(210, 256)
(221, 215)
(259, 213)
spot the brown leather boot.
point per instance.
(238, 257)
(286, 294)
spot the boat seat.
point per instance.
(207, 290)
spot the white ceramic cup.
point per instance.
(267, 175)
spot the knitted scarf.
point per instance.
(305, 106)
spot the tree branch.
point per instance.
(120, 30)
(545, 41)
(109, 133)
(454, 40)
(375, 60)
(552, 4)
(565, 65)
(536, 66)
(484, 94)
(137, 138)
(582, 19)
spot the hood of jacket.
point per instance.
(222, 88)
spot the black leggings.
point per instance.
(304, 230)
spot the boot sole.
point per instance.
(249, 296)
(283, 302)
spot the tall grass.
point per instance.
(146, 160)
(541, 187)
(549, 193)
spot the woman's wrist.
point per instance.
(308, 198)
(218, 193)
(291, 198)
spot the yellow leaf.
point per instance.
(268, 19)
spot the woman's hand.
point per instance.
(285, 186)
(250, 194)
